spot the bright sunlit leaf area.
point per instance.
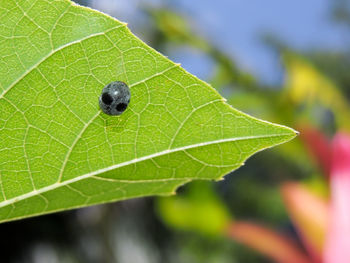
(60, 151)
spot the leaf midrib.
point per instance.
(144, 158)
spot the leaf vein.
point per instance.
(34, 66)
(133, 161)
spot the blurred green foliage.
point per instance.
(199, 210)
(315, 92)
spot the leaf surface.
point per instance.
(59, 151)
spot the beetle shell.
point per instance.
(115, 98)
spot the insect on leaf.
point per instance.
(59, 151)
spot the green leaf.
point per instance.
(59, 151)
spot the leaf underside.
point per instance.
(59, 151)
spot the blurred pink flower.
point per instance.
(309, 214)
(323, 225)
(274, 245)
(337, 246)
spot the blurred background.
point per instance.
(283, 61)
